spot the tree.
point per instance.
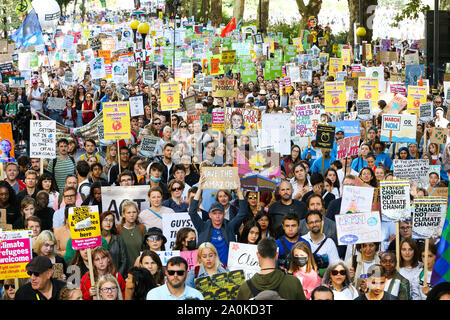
(306, 11)
(263, 15)
(238, 9)
(216, 13)
(9, 20)
(205, 10)
(367, 18)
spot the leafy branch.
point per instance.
(411, 10)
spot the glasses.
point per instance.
(183, 126)
(154, 238)
(109, 220)
(69, 195)
(314, 222)
(178, 272)
(252, 197)
(36, 274)
(7, 286)
(336, 272)
(157, 123)
(177, 188)
(405, 228)
(108, 289)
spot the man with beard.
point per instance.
(175, 288)
(291, 236)
(286, 205)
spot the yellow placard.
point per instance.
(368, 48)
(335, 96)
(228, 56)
(86, 34)
(346, 55)
(170, 96)
(84, 225)
(324, 54)
(368, 89)
(298, 43)
(416, 96)
(334, 66)
(116, 120)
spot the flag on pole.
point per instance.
(441, 269)
(29, 32)
(229, 27)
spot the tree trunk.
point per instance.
(216, 13)
(75, 7)
(205, 11)
(306, 11)
(367, 21)
(193, 8)
(263, 15)
(83, 8)
(238, 10)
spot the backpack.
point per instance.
(255, 291)
(56, 159)
(285, 261)
(320, 261)
(141, 229)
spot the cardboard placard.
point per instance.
(307, 118)
(224, 88)
(242, 256)
(220, 178)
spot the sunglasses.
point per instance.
(177, 188)
(7, 286)
(183, 126)
(252, 197)
(341, 272)
(154, 238)
(36, 274)
(178, 272)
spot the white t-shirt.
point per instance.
(38, 93)
(328, 248)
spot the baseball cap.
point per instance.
(39, 264)
(216, 206)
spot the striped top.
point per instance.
(62, 169)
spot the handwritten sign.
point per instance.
(428, 217)
(347, 147)
(224, 88)
(395, 201)
(166, 255)
(307, 118)
(356, 228)
(136, 106)
(356, 199)
(43, 139)
(220, 178)
(242, 256)
(190, 257)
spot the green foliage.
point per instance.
(290, 31)
(411, 10)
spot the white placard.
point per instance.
(172, 222)
(242, 256)
(43, 139)
(356, 199)
(136, 106)
(360, 227)
(395, 200)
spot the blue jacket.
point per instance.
(190, 279)
(229, 229)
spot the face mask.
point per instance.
(192, 245)
(155, 179)
(301, 261)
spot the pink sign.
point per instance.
(190, 257)
(347, 147)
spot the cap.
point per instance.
(268, 295)
(39, 264)
(155, 232)
(440, 108)
(216, 206)
(34, 81)
(338, 129)
(263, 92)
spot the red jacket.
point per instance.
(73, 116)
(86, 285)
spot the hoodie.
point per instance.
(289, 287)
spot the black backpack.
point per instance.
(285, 259)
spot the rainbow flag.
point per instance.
(441, 269)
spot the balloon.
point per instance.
(48, 12)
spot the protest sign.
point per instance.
(241, 120)
(220, 178)
(17, 82)
(426, 112)
(228, 56)
(350, 128)
(186, 70)
(377, 72)
(307, 118)
(335, 65)
(438, 135)
(368, 89)
(218, 119)
(399, 128)
(416, 96)
(171, 223)
(347, 147)
(396, 104)
(7, 143)
(170, 96)
(325, 136)
(360, 227)
(191, 258)
(166, 255)
(136, 106)
(224, 88)
(428, 217)
(413, 74)
(263, 163)
(43, 139)
(364, 109)
(242, 256)
(356, 199)
(148, 146)
(416, 170)
(114, 196)
(97, 66)
(56, 103)
(116, 120)
(220, 286)
(335, 97)
(189, 103)
(84, 224)
(276, 133)
(15, 253)
(395, 200)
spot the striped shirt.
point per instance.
(62, 169)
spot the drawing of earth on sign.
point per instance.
(368, 95)
(416, 103)
(375, 74)
(349, 239)
(116, 125)
(335, 101)
(169, 99)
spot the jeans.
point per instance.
(79, 119)
(56, 115)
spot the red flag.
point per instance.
(229, 27)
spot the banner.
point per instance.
(84, 224)
(136, 106)
(428, 217)
(116, 120)
(15, 253)
(224, 88)
(416, 170)
(172, 222)
(356, 228)
(335, 96)
(170, 96)
(347, 147)
(356, 199)
(43, 139)
(220, 178)
(416, 96)
(403, 127)
(395, 200)
(242, 256)
(307, 118)
(220, 286)
(114, 196)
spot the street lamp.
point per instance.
(134, 25)
(176, 20)
(143, 29)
